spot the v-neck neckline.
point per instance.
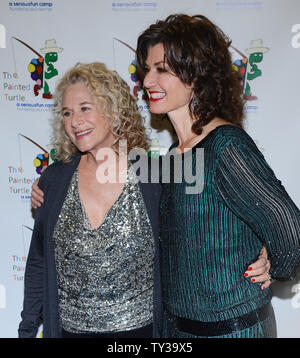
(86, 219)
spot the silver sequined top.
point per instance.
(104, 275)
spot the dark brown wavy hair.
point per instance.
(197, 51)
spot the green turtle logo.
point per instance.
(248, 66)
(41, 68)
(256, 52)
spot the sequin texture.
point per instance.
(105, 275)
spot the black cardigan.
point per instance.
(41, 293)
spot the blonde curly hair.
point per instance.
(112, 95)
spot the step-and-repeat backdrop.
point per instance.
(39, 41)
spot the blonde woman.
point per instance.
(90, 269)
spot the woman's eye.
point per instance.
(66, 114)
(161, 69)
(84, 109)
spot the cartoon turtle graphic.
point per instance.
(51, 52)
(256, 52)
(41, 68)
(247, 67)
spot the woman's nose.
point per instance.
(149, 80)
(77, 119)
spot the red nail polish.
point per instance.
(252, 279)
(245, 274)
(262, 287)
(249, 268)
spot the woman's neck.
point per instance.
(182, 123)
(108, 167)
(183, 127)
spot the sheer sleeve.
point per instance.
(250, 189)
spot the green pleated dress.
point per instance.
(209, 239)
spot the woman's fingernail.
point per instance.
(262, 287)
(245, 274)
(252, 279)
(249, 268)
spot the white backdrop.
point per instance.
(104, 30)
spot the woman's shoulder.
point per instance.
(56, 169)
(225, 135)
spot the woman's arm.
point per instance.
(250, 189)
(34, 280)
(258, 270)
(37, 195)
(33, 284)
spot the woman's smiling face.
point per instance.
(167, 93)
(84, 123)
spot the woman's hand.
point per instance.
(259, 270)
(37, 196)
